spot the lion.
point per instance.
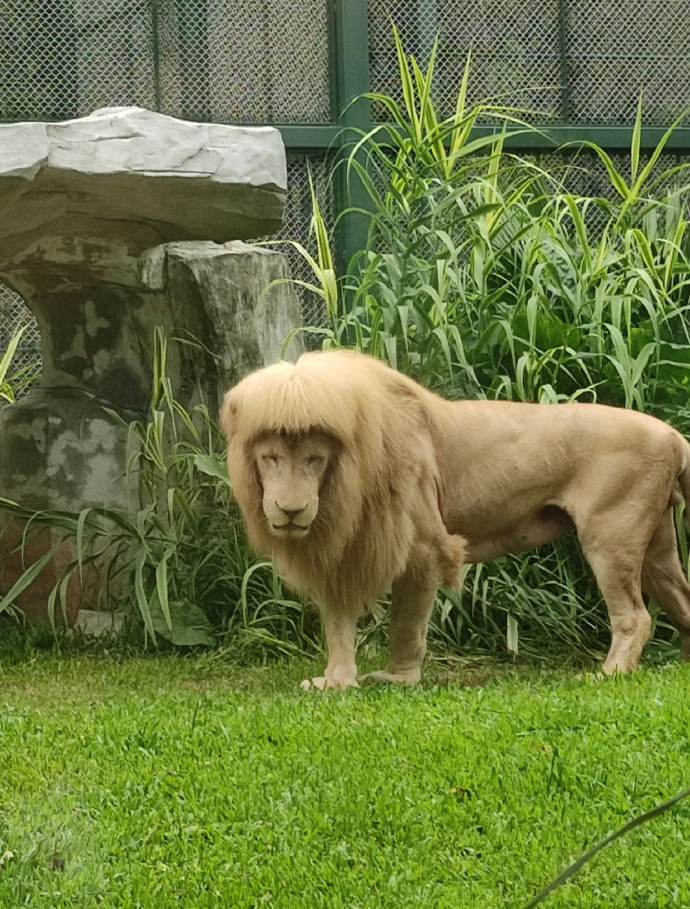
(355, 480)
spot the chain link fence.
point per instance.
(258, 61)
(248, 61)
(15, 314)
(577, 61)
(64, 58)
(243, 61)
(514, 46)
(619, 48)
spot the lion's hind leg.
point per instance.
(615, 550)
(663, 579)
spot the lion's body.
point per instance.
(522, 464)
(410, 474)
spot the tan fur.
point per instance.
(410, 474)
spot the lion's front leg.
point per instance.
(340, 629)
(411, 605)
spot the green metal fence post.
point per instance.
(351, 51)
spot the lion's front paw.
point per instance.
(400, 678)
(321, 683)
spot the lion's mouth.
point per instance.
(290, 530)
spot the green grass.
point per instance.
(169, 781)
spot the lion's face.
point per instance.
(291, 470)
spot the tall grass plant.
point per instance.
(12, 379)
(176, 559)
(487, 276)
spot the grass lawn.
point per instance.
(190, 782)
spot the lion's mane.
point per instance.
(379, 497)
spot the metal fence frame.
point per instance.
(349, 78)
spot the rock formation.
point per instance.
(111, 225)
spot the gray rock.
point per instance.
(62, 450)
(61, 447)
(107, 230)
(139, 177)
(96, 624)
(243, 304)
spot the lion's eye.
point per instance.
(315, 460)
(270, 460)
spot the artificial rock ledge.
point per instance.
(111, 225)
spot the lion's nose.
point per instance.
(291, 513)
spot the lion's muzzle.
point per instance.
(290, 523)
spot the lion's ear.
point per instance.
(228, 415)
